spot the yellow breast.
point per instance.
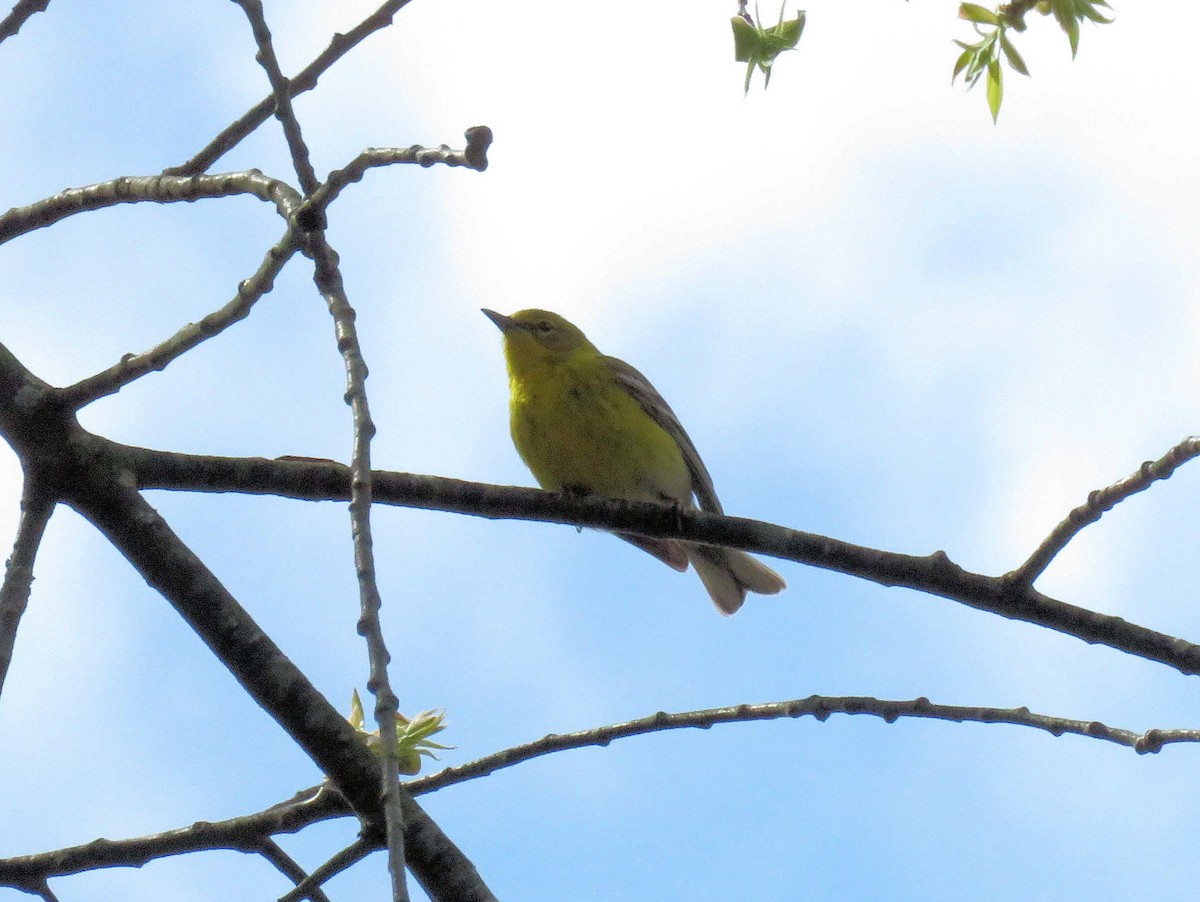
(577, 429)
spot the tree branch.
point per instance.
(934, 574)
(91, 475)
(250, 832)
(473, 156)
(134, 366)
(37, 504)
(19, 15)
(1100, 502)
(239, 834)
(818, 706)
(159, 189)
(301, 159)
(346, 858)
(286, 865)
(328, 277)
(306, 80)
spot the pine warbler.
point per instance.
(587, 424)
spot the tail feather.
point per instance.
(728, 574)
(668, 551)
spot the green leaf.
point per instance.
(973, 12)
(758, 46)
(995, 88)
(1068, 21)
(786, 33)
(412, 736)
(745, 40)
(1063, 12)
(962, 62)
(1010, 54)
(1089, 10)
(1073, 37)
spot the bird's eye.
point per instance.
(544, 327)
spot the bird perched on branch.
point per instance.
(588, 424)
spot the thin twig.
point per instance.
(248, 833)
(933, 574)
(319, 803)
(817, 706)
(280, 89)
(19, 15)
(37, 504)
(133, 366)
(328, 278)
(306, 80)
(286, 865)
(473, 156)
(240, 834)
(1101, 501)
(159, 189)
(347, 857)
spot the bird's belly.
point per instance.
(596, 439)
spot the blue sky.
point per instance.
(880, 317)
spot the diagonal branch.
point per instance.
(239, 834)
(329, 282)
(286, 865)
(934, 574)
(19, 15)
(280, 89)
(134, 366)
(37, 504)
(346, 858)
(306, 80)
(159, 189)
(91, 475)
(281, 689)
(1100, 502)
(441, 872)
(268, 676)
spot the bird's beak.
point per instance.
(503, 323)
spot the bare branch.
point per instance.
(92, 475)
(817, 706)
(329, 282)
(37, 504)
(248, 833)
(159, 189)
(267, 675)
(240, 834)
(347, 857)
(441, 867)
(134, 366)
(473, 156)
(280, 89)
(287, 866)
(1100, 502)
(20, 14)
(934, 574)
(306, 80)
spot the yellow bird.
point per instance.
(587, 424)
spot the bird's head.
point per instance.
(539, 334)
